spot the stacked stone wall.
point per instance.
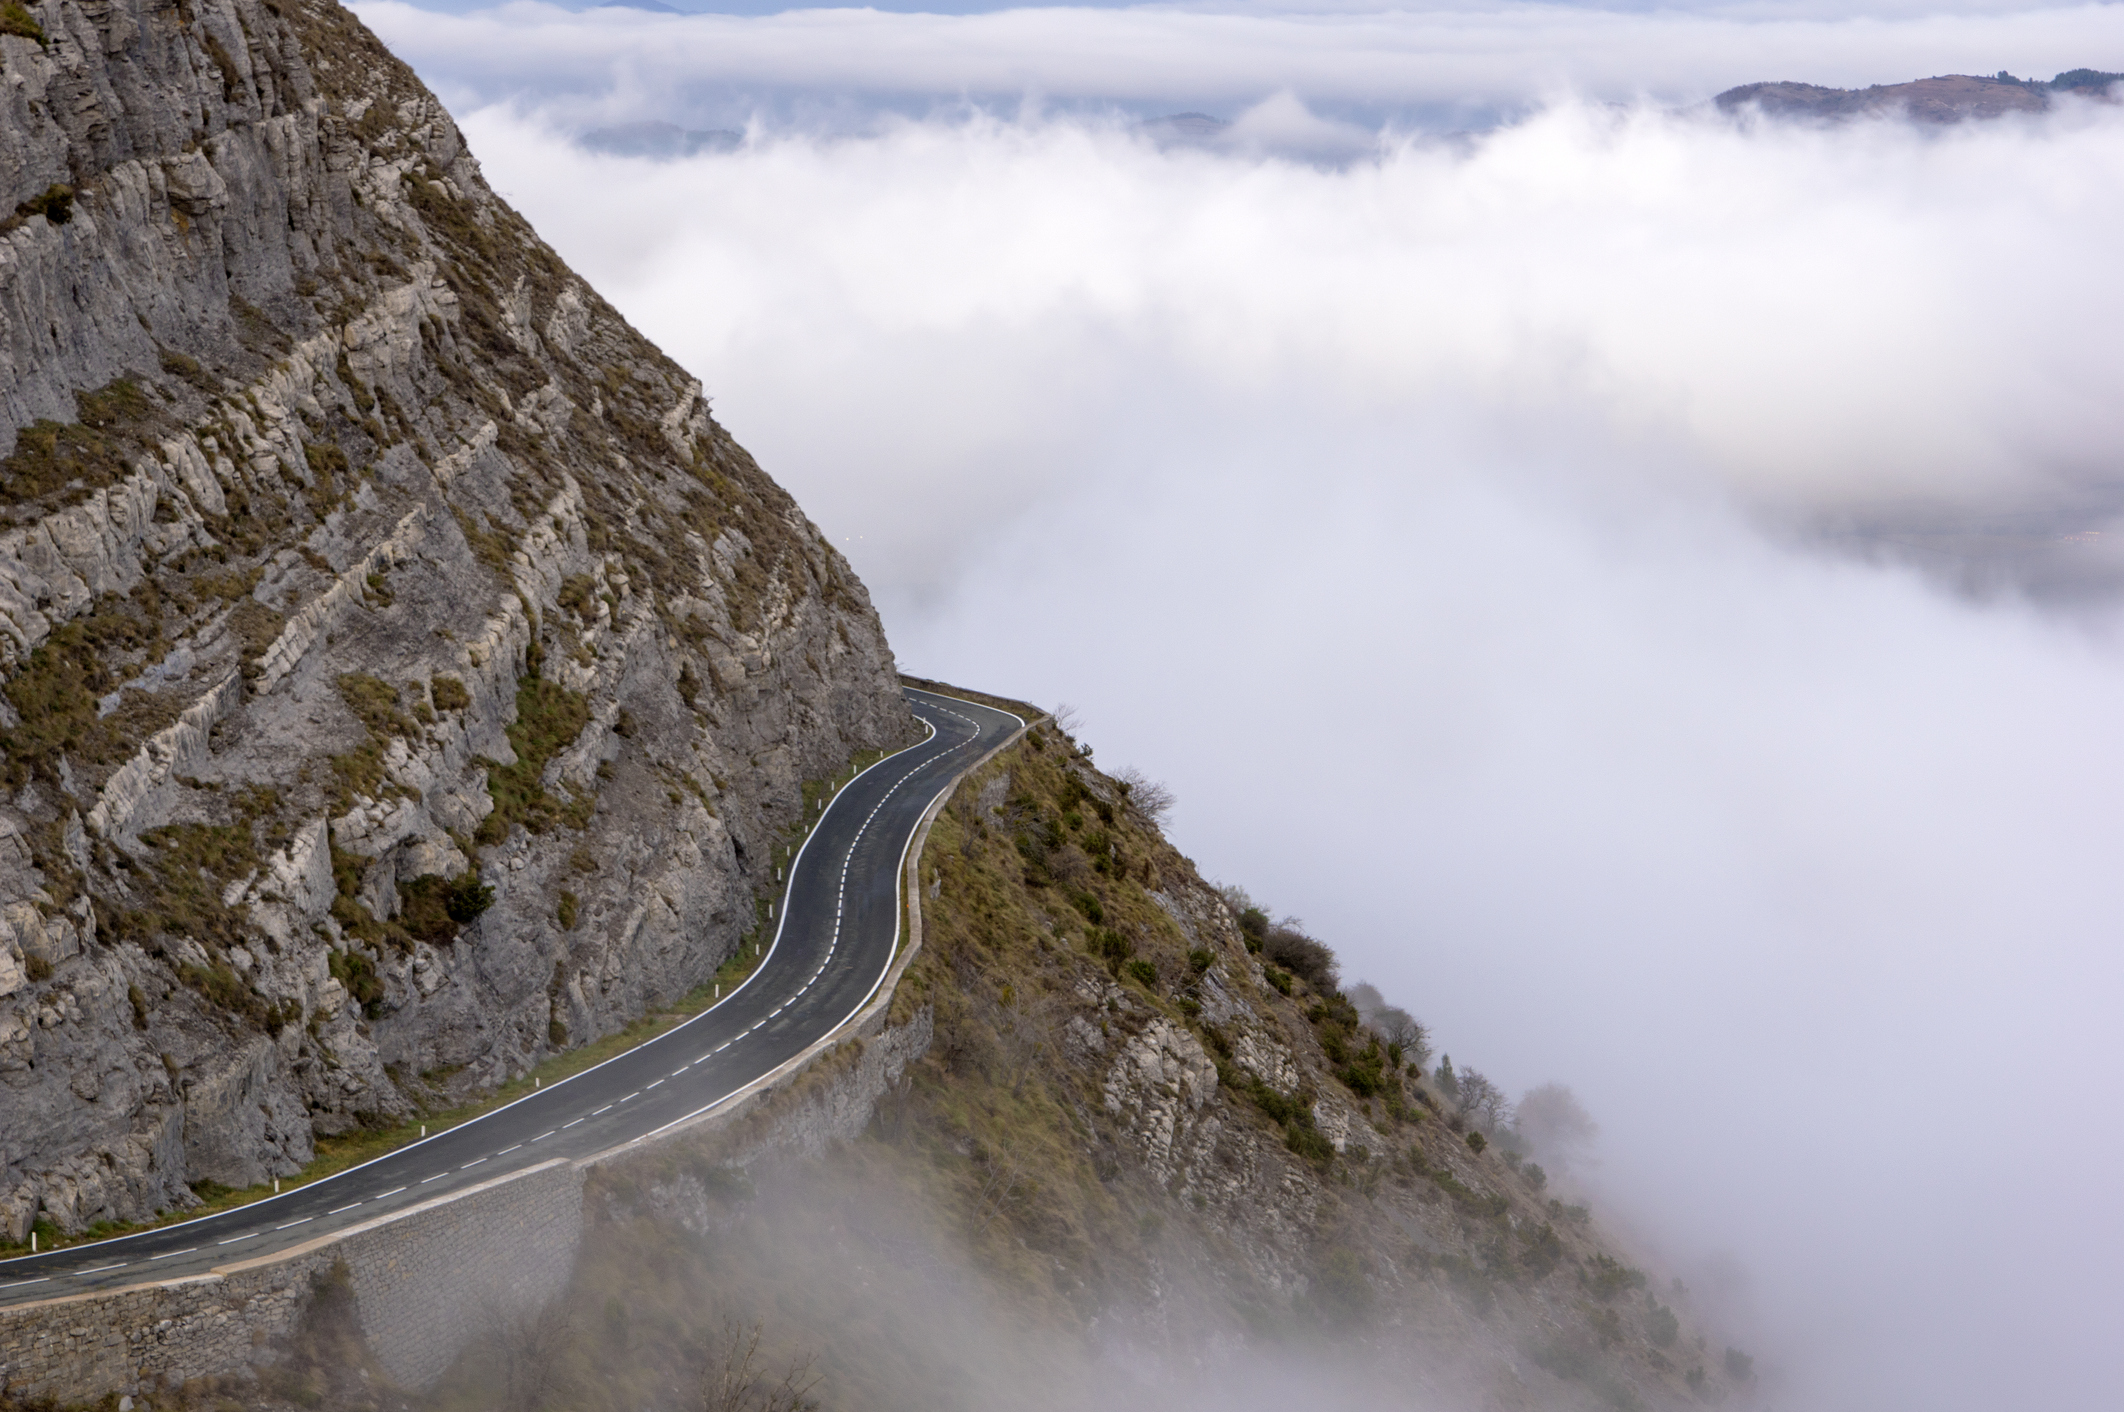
(424, 1282)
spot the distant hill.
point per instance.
(1184, 127)
(658, 140)
(1944, 99)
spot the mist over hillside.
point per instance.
(1641, 577)
(1639, 573)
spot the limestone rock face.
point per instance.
(351, 551)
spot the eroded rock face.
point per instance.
(349, 547)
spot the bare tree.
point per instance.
(1288, 945)
(1393, 1025)
(1025, 1029)
(1398, 1026)
(1005, 1173)
(1067, 719)
(1150, 800)
(1484, 1102)
(1554, 1124)
(533, 1346)
(733, 1382)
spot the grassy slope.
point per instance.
(997, 1238)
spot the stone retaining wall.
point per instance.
(425, 1281)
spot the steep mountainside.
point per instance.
(1946, 99)
(401, 675)
(1141, 1164)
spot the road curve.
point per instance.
(837, 933)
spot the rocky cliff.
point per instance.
(401, 674)
(1154, 1155)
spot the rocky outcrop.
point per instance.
(351, 551)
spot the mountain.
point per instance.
(407, 682)
(1157, 1152)
(1946, 99)
(402, 675)
(659, 140)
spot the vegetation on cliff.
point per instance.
(1125, 1148)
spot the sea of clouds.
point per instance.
(1639, 581)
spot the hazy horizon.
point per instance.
(1639, 583)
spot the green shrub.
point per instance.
(468, 897)
(1088, 904)
(1477, 1142)
(1201, 959)
(1279, 979)
(16, 20)
(1308, 1141)
(424, 909)
(357, 973)
(94, 450)
(1542, 1250)
(548, 718)
(1145, 973)
(1302, 956)
(578, 595)
(1340, 1290)
(1536, 1177)
(1739, 1366)
(374, 703)
(1605, 1277)
(55, 204)
(1661, 1327)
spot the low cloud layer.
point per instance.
(1437, 65)
(1608, 576)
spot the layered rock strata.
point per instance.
(402, 675)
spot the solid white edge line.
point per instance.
(536, 1093)
(899, 888)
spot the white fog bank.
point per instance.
(1460, 530)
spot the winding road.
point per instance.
(838, 932)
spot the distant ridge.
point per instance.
(659, 140)
(1946, 98)
(1185, 127)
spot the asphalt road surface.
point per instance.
(838, 928)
